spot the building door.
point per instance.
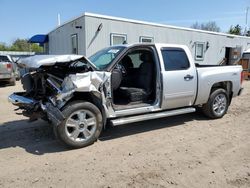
(232, 55)
(74, 44)
(227, 56)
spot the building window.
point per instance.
(146, 39)
(175, 59)
(199, 50)
(118, 39)
(74, 44)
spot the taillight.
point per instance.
(9, 66)
(241, 77)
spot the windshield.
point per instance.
(4, 58)
(104, 58)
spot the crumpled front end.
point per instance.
(89, 82)
(46, 94)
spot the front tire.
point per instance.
(82, 125)
(217, 104)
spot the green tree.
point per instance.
(3, 47)
(21, 45)
(235, 30)
(36, 48)
(208, 26)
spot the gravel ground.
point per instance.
(183, 151)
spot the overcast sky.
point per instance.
(25, 18)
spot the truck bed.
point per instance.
(209, 75)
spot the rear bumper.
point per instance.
(240, 91)
(5, 76)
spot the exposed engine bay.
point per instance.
(49, 86)
(47, 81)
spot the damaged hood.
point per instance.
(50, 60)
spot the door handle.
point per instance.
(188, 77)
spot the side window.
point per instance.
(74, 44)
(118, 39)
(199, 50)
(175, 59)
(135, 59)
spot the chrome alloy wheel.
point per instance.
(80, 125)
(220, 104)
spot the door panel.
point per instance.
(178, 89)
(179, 78)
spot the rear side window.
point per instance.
(135, 57)
(175, 59)
(4, 58)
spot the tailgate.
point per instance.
(4, 68)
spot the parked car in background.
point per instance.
(8, 70)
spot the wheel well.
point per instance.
(90, 97)
(227, 85)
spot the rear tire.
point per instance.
(82, 125)
(217, 104)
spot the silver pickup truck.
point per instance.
(121, 84)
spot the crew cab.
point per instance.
(119, 85)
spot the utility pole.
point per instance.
(246, 27)
(58, 19)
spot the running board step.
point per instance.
(144, 117)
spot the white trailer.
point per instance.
(89, 33)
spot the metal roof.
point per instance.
(16, 53)
(147, 23)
